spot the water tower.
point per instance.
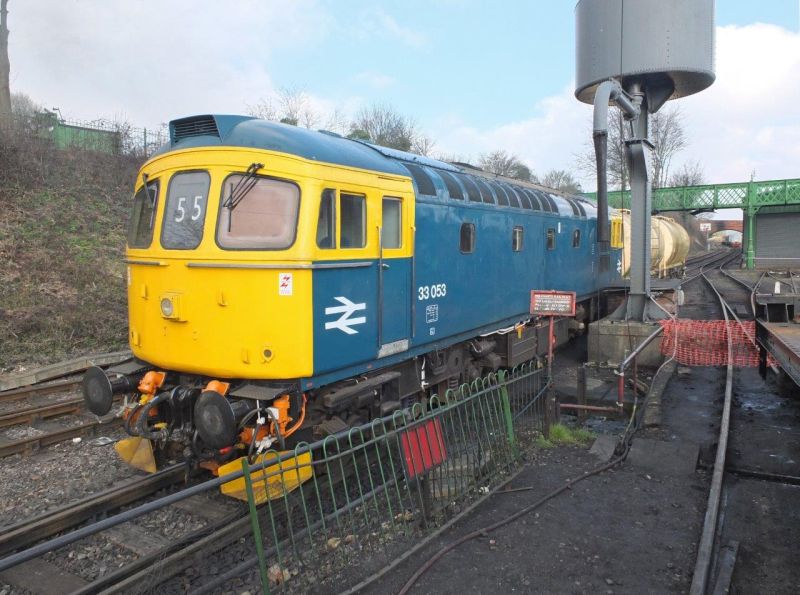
(637, 55)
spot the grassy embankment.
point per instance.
(63, 216)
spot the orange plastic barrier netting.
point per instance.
(705, 342)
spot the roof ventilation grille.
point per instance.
(194, 126)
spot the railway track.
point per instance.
(717, 552)
(38, 441)
(33, 415)
(40, 389)
(156, 559)
(67, 517)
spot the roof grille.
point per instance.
(195, 126)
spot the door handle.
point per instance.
(384, 266)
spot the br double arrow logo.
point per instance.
(345, 323)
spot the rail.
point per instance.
(66, 517)
(381, 484)
(704, 261)
(706, 547)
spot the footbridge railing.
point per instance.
(742, 195)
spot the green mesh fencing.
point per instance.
(377, 489)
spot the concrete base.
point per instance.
(611, 341)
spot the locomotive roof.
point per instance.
(328, 147)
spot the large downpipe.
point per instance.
(601, 155)
(607, 91)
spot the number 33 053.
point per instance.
(429, 292)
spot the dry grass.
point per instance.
(63, 216)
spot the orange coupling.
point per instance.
(218, 386)
(282, 405)
(151, 382)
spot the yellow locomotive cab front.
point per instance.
(219, 283)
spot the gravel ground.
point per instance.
(90, 558)
(58, 475)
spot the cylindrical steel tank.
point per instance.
(665, 45)
(669, 244)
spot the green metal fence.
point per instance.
(375, 490)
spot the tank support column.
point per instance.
(637, 152)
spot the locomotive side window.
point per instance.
(392, 230)
(326, 223)
(140, 230)
(551, 238)
(353, 211)
(185, 211)
(262, 216)
(467, 242)
(516, 238)
(576, 238)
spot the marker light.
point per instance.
(167, 308)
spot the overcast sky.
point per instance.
(476, 76)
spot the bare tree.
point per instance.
(560, 179)
(668, 138)
(666, 133)
(5, 64)
(382, 125)
(264, 109)
(690, 174)
(506, 164)
(337, 122)
(290, 106)
(296, 109)
(23, 106)
(618, 131)
(423, 144)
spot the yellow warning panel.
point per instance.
(137, 452)
(271, 482)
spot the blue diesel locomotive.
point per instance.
(285, 282)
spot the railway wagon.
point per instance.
(286, 284)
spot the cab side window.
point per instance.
(392, 232)
(140, 230)
(326, 223)
(353, 213)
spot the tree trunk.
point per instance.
(5, 65)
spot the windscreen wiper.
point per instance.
(152, 198)
(243, 186)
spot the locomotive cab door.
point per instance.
(394, 276)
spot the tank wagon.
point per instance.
(286, 284)
(669, 244)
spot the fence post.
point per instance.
(502, 376)
(582, 393)
(251, 502)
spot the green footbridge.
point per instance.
(748, 196)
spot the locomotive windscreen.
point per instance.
(264, 219)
